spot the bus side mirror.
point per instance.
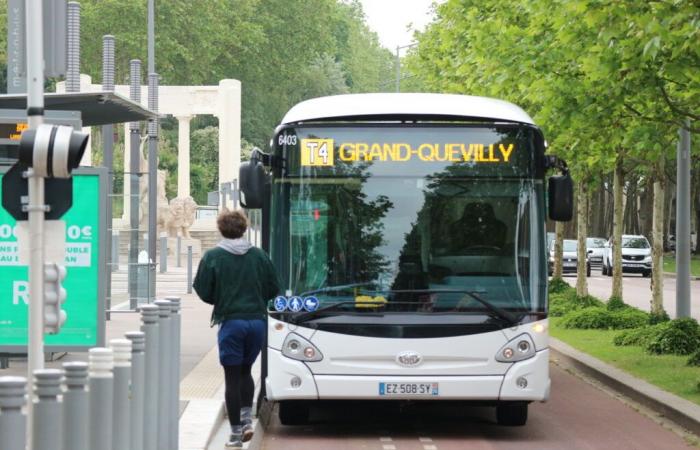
(561, 198)
(252, 181)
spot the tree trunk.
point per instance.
(657, 248)
(581, 232)
(646, 208)
(558, 249)
(618, 182)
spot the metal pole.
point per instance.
(152, 163)
(164, 350)
(179, 249)
(36, 207)
(174, 408)
(13, 423)
(108, 162)
(151, 36)
(115, 250)
(47, 426)
(398, 70)
(101, 383)
(683, 223)
(121, 430)
(138, 378)
(149, 319)
(73, 55)
(189, 269)
(163, 254)
(76, 411)
(134, 169)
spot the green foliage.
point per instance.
(566, 300)
(694, 360)
(557, 285)
(602, 318)
(639, 336)
(615, 303)
(679, 337)
(660, 317)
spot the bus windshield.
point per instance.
(357, 230)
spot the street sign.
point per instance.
(84, 260)
(58, 194)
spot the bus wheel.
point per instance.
(293, 412)
(512, 414)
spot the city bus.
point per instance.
(409, 233)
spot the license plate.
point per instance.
(632, 265)
(570, 264)
(417, 389)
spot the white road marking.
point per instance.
(385, 439)
(389, 447)
(425, 439)
(429, 447)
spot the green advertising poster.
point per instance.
(84, 282)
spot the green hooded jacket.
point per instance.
(238, 279)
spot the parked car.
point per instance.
(636, 255)
(595, 247)
(569, 258)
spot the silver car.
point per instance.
(595, 247)
(569, 258)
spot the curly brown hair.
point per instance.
(232, 224)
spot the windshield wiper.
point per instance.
(500, 313)
(509, 317)
(340, 287)
(303, 317)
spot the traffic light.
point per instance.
(52, 151)
(54, 296)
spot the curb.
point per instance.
(677, 409)
(673, 275)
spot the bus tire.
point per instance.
(512, 414)
(293, 412)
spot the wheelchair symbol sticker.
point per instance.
(280, 303)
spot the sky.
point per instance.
(391, 19)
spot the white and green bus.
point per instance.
(409, 232)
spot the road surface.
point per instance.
(578, 416)
(636, 291)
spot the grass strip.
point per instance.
(668, 372)
(670, 264)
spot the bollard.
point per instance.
(179, 249)
(164, 390)
(115, 250)
(163, 254)
(149, 318)
(75, 406)
(121, 430)
(138, 378)
(13, 424)
(175, 324)
(189, 269)
(47, 424)
(101, 382)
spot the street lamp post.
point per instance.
(398, 64)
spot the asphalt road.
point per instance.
(578, 416)
(636, 291)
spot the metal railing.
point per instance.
(126, 397)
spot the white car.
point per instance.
(636, 255)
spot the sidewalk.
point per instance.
(201, 376)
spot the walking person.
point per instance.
(237, 279)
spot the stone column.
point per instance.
(229, 114)
(183, 156)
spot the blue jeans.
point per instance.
(240, 341)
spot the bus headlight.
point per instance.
(299, 348)
(517, 349)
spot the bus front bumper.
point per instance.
(526, 380)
